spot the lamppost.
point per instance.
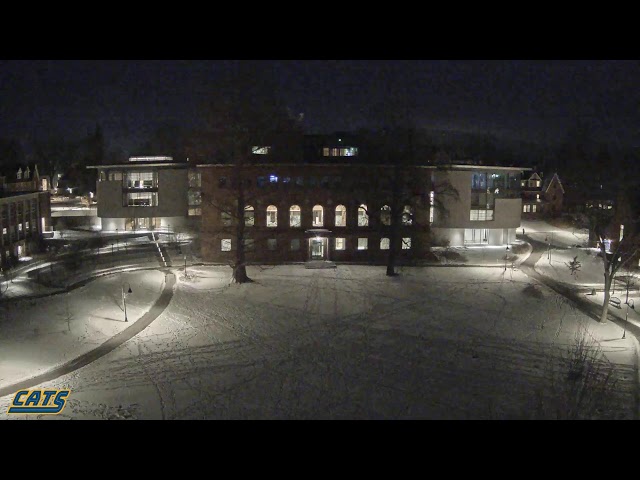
(629, 284)
(124, 300)
(506, 255)
(117, 245)
(624, 333)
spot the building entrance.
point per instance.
(318, 248)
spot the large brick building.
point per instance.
(300, 212)
(342, 212)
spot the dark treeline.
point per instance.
(588, 169)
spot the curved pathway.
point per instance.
(136, 327)
(583, 304)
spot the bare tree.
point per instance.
(583, 382)
(5, 281)
(243, 113)
(616, 253)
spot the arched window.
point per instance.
(385, 215)
(341, 216)
(318, 220)
(294, 216)
(272, 216)
(249, 216)
(407, 215)
(363, 217)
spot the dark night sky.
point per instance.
(531, 100)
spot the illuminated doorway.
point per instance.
(318, 248)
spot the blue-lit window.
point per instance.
(273, 179)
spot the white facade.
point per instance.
(488, 208)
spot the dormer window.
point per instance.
(340, 152)
(19, 174)
(258, 150)
(26, 173)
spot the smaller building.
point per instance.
(25, 212)
(542, 197)
(147, 193)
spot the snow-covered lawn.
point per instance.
(554, 264)
(39, 334)
(561, 237)
(349, 342)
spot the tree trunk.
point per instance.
(240, 274)
(391, 257)
(396, 219)
(239, 267)
(607, 296)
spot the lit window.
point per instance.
(256, 150)
(142, 199)
(407, 215)
(295, 244)
(19, 227)
(272, 216)
(480, 215)
(195, 179)
(363, 218)
(294, 216)
(350, 151)
(137, 179)
(195, 197)
(341, 216)
(406, 243)
(362, 243)
(384, 244)
(273, 179)
(4, 231)
(26, 225)
(249, 216)
(317, 216)
(225, 245)
(340, 243)
(534, 208)
(195, 211)
(621, 231)
(385, 215)
(272, 243)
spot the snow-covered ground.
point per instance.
(39, 334)
(560, 237)
(349, 342)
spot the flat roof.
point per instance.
(435, 167)
(141, 165)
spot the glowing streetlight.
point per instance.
(124, 300)
(630, 304)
